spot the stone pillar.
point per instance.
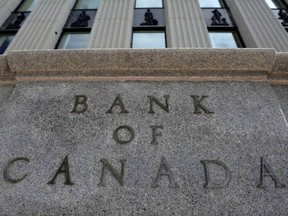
(112, 26)
(6, 8)
(43, 26)
(257, 25)
(186, 27)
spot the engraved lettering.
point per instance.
(121, 140)
(118, 102)
(155, 134)
(164, 107)
(6, 171)
(80, 105)
(63, 169)
(266, 171)
(209, 184)
(118, 176)
(164, 170)
(199, 107)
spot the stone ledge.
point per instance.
(142, 62)
(280, 68)
(5, 73)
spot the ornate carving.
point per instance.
(82, 20)
(216, 18)
(16, 24)
(149, 19)
(283, 14)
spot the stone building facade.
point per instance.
(91, 123)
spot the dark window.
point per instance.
(14, 22)
(280, 11)
(149, 25)
(5, 40)
(222, 28)
(76, 31)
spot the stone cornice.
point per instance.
(145, 64)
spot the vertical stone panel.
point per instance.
(112, 26)
(258, 26)
(43, 27)
(6, 8)
(186, 27)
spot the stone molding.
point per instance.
(5, 72)
(279, 73)
(145, 64)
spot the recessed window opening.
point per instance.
(87, 4)
(149, 39)
(28, 5)
(224, 39)
(149, 4)
(211, 3)
(74, 40)
(5, 40)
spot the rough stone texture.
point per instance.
(5, 73)
(5, 92)
(281, 92)
(37, 123)
(142, 62)
(280, 69)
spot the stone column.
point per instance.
(186, 27)
(43, 27)
(112, 26)
(257, 25)
(6, 8)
